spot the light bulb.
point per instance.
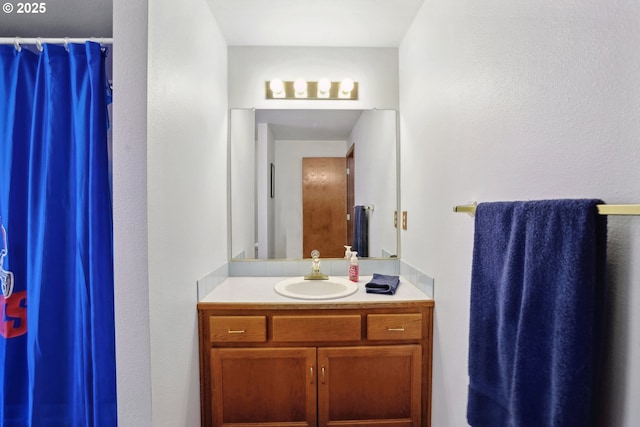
(277, 88)
(346, 86)
(324, 88)
(300, 88)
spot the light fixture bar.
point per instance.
(334, 92)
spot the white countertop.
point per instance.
(260, 290)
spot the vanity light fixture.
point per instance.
(324, 88)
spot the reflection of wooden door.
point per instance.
(324, 211)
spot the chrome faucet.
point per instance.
(315, 267)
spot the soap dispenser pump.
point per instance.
(354, 269)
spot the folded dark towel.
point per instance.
(382, 284)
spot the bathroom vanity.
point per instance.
(269, 360)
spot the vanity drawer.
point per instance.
(317, 328)
(394, 326)
(238, 328)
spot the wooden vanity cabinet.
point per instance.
(316, 364)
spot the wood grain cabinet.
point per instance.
(316, 364)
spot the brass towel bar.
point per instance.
(602, 209)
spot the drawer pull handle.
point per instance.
(311, 369)
(241, 331)
(323, 375)
(400, 329)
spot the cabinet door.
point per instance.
(364, 386)
(263, 386)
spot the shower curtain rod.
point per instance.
(53, 40)
(602, 209)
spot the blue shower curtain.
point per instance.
(57, 339)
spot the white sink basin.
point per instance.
(332, 288)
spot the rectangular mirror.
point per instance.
(312, 179)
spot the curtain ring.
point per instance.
(66, 44)
(39, 44)
(16, 44)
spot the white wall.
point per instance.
(507, 100)
(271, 201)
(375, 70)
(168, 150)
(130, 213)
(262, 182)
(374, 136)
(288, 217)
(187, 176)
(265, 216)
(242, 152)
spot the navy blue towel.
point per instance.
(536, 313)
(382, 284)
(360, 231)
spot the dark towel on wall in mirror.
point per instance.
(536, 313)
(382, 284)
(360, 231)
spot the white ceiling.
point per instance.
(346, 23)
(309, 125)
